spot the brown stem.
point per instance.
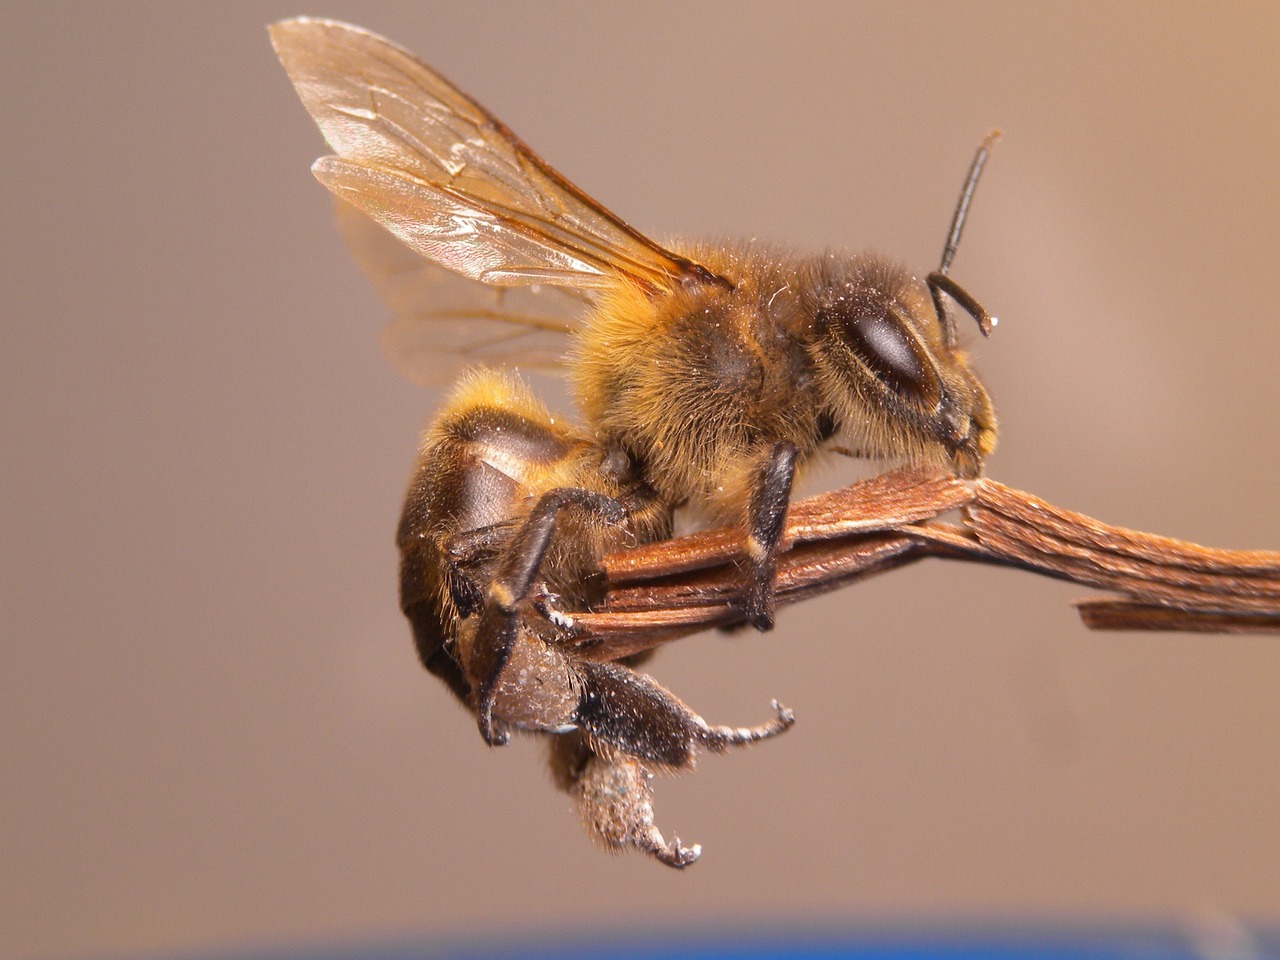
(667, 590)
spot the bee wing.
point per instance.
(445, 320)
(446, 177)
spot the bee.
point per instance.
(706, 376)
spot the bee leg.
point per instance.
(766, 512)
(720, 738)
(615, 801)
(624, 712)
(496, 632)
(627, 722)
(424, 562)
(614, 798)
(463, 552)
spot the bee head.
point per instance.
(890, 371)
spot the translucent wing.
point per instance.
(444, 320)
(446, 177)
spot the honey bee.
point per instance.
(706, 376)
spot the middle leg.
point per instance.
(766, 514)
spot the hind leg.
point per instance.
(626, 723)
(622, 711)
(614, 800)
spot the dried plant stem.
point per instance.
(667, 590)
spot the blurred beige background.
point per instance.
(212, 726)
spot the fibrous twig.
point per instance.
(666, 590)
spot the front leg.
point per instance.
(766, 514)
(496, 633)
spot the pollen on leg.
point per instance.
(548, 607)
(615, 800)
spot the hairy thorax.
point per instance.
(698, 384)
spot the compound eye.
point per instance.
(893, 355)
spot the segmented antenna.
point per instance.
(938, 281)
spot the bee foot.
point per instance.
(495, 735)
(675, 855)
(757, 605)
(545, 604)
(786, 716)
(719, 738)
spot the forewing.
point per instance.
(446, 177)
(445, 320)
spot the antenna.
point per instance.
(938, 281)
